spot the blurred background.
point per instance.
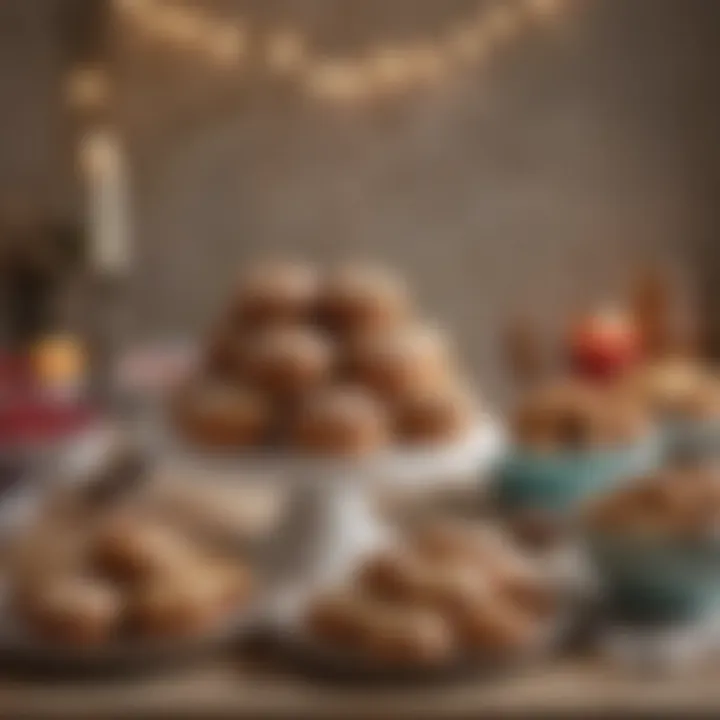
(533, 160)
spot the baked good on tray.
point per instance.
(276, 369)
(422, 602)
(73, 610)
(134, 577)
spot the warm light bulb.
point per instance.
(389, 68)
(544, 8)
(98, 153)
(336, 81)
(501, 22)
(227, 44)
(131, 7)
(183, 28)
(467, 44)
(285, 51)
(427, 63)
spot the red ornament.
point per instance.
(604, 344)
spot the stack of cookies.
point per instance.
(446, 592)
(327, 362)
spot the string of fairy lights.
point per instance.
(381, 71)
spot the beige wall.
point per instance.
(540, 182)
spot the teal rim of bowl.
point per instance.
(555, 481)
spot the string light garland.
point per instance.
(380, 72)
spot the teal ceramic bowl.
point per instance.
(691, 440)
(558, 482)
(656, 579)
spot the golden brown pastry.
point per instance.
(572, 415)
(382, 632)
(222, 416)
(393, 576)
(409, 579)
(406, 362)
(74, 610)
(444, 541)
(276, 293)
(338, 618)
(674, 503)
(40, 554)
(136, 550)
(288, 361)
(361, 298)
(408, 637)
(178, 606)
(517, 582)
(233, 581)
(435, 416)
(497, 626)
(341, 421)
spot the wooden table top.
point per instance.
(225, 689)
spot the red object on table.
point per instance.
(29, 418)
(604, 344)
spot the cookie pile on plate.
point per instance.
(680, 503)
(331, 362)
(447, 592)
(679, 390)
(125, 578)
(576, 415)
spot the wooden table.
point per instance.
(234, 689)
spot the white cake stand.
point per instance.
(330, 522)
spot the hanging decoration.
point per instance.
(379, 72)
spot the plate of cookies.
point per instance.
(117, 589)
(445, 600)
(326, 364)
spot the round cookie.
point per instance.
(497, 627)
(179, 608)
(276, 293)
(337, 618)
(134, 551)
(564, 415)
(435, 416)
(383, 632)
(74, 610)
(407, 579)
(408, 637)
(341, 421)
(222, 416)
(410, 361)
(359, 298)
(448, 541)
(288, 361)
